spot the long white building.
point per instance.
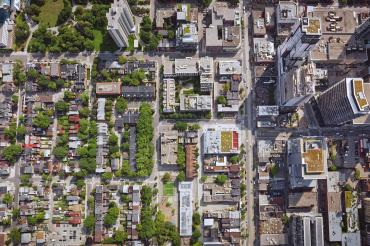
(120, 22)
(186, 208)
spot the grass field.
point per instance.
(169, 189)
(49, 12)
(103, 42)
(226, 141)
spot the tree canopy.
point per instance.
(12, 152)
(41, 120)
(144, 137)
(89, 223)
(221, 179)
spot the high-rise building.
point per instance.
(305, 34)
(343, 102)
(120, 22)
(292, 53)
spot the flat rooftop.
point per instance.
(259, 27)
(302, 199)
(343, 21)
(359, 94)
(108, 88)
(286, 11)
(311, 26)
(313, 155)
(230, 67)
(186, 66)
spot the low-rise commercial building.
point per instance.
(221, 140)
(108, 88)
(169, 146)
(195, 103)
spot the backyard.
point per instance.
(49, 12)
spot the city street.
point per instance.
(249, 125)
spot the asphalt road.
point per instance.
(249, 129)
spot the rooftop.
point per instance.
(313, 156)
(264, 50)
(229, 67)
(358, 91)
(302, 199)
(108, 88)
(268, 110)
(311, 26)
(169, 145)
(186, 208)
(221, 140)
(186, 66)
(195, 102)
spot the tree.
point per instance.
(25, 179)
(285, 219)
(203, 179)
(243, 188)
(122, 60)
(196, 218)
(196, 235)
(31, 220)
(274, 169)
(165, 231)
(106, 177)
(88, 164)
(206, 3)
(21, 131)
(144, 137)
(221, 179)
(181, 126)
(146, 227)
(333, 168)
(7, 199)
(65, 13)
(60, 152)
(89, 223)
(61, 106)
(84, 112)
(121, 105)
(171, 34)
(120, 237)
(10, 133)
(12, 152)
(16, 213)
(347, 187)
(234, 159)
(40, 217)
(69, 96)
(15, 236)
(22, 30)
(221, 100)
(194, 127)
(357, 174)
(180, 177)
(166, 177)
(112, 215)
(84, 98)
(41, 120)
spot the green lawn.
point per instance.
(49, 12)
(103, 42)
(169, 189)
